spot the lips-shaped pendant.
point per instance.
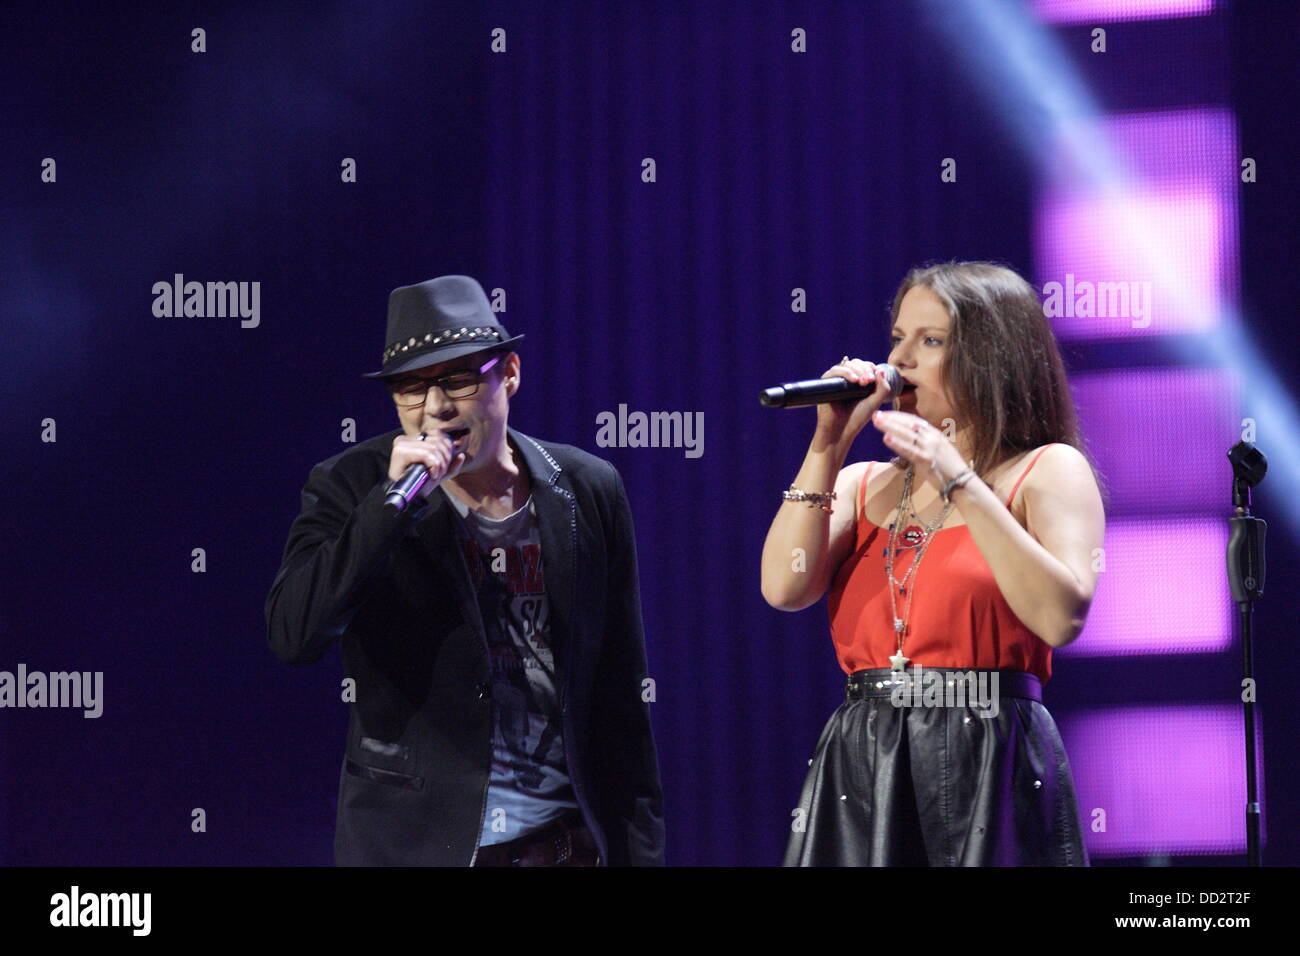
(912, 537)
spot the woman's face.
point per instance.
(920, 341)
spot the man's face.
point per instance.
(481, 416)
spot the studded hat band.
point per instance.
(429, 339)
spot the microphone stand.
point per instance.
(1246, 582)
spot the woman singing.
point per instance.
(969, 555)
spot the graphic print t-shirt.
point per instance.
(529, 785)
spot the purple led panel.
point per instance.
(1162, 590)
(1160, 437)
(1109, 11)
(1170, 779)
(1152, 249)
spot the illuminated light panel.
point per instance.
(1163, 225)
(1084, 243)
(1160, 436)
(1170, 778)
(1164, 590)
(1113, 11)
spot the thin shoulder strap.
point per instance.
(862, 491)
(1031, 464)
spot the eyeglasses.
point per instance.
(414, 391)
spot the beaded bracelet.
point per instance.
(820, 499)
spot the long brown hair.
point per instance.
(1002, 367)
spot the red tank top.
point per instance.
(959, 617)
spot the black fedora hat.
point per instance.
(438, 320)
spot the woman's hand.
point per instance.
(936, 459)
(838, 423)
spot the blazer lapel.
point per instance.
(557, 517)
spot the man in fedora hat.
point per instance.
(491, 621)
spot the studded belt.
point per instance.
(877, 682)
(563, 842)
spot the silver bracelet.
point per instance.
(958, 481)
(820, 499)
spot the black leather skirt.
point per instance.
(900, 779)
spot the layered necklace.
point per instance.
(910, 537)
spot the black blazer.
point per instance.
(395, 592)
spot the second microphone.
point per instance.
(816, 391)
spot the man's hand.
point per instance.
(436, 452)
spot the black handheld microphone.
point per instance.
(816, 391)
(403, 491)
